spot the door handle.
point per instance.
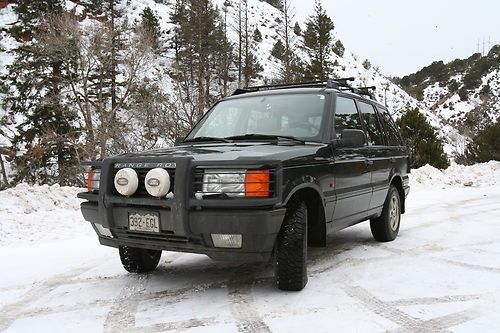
(368, 162)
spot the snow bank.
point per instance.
(34, 214)
(478, 175)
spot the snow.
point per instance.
(441, 273)
(456, 176)
(30, 214)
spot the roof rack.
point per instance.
(340, 84)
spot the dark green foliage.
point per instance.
(367, 64)
(151, 24)
(472, 69)
(275, 3)
(297, 30)
(421, 139)
(31, 12)
(338, 48)
(485, 146)
(278, 50)
(463, 94)
(47, 132)
(317, 42)
(257, 35)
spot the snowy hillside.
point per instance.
(265, 17)
(464, 93)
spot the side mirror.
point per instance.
(351, 138)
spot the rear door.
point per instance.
(396, 155)
(379, 155)
(352, 178)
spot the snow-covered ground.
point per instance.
(441, 274)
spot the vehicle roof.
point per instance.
(302, 90)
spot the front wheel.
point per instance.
(386, 227)
(137, 260)
(291, 249)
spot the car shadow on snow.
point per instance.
(199, 271)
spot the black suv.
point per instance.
(265, 173)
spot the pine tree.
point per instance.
(485, 145)
(317, 41)
(151, 24)
(285, 47)
(297, 30)
(46, 134)
(421, 139)
(257, 35)
(202, 48)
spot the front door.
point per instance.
(350, 168)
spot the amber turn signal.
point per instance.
(257, 183)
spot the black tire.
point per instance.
(386, 227)
(136, 260)
(291, 249)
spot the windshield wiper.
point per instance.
(265, 137)
(206, 138)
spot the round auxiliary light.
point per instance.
(126, 181)
(157, 182)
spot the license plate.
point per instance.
(147, 222)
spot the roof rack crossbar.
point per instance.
(340, 84)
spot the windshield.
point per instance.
(292, 115)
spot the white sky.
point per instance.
(404, 36)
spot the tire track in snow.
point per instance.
(10, 312)
(239, 289)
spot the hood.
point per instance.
(288, 154)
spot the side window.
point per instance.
(391, 129)
(346, 116)
(372, 125)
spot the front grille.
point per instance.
(141, 190)
(161, 237)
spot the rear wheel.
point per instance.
(291, 249)
(386, 227)
(137, 260)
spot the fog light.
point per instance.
(103, 231)
(126, 181)
(227, 241)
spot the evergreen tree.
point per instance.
(151, 24)
(257, 35)
(421, 139)
(317, 41)
(278, 50)
(247, 63)
(47, 131)
(297, 29)
(202, 52)
(338, 48)
(485, 146)
(284, 49)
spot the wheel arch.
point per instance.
(310, 193)
(397, 181)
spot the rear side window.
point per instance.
(391, 129)
(346, 116)
(372, 125)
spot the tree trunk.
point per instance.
(4, 173)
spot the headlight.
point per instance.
(229, 182)
(93, 180)
(236, 183)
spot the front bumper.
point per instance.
(259, 229)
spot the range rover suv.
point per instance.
(264, 174)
